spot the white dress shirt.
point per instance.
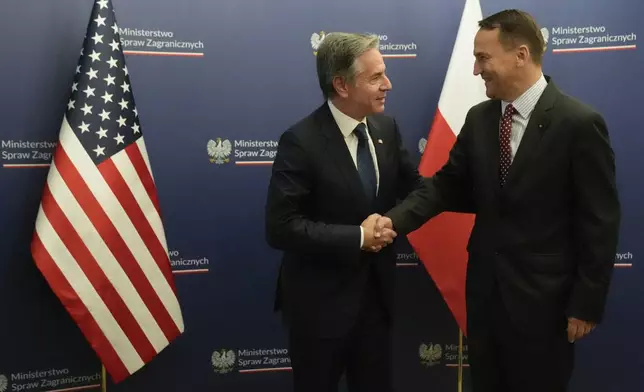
(524, 105)
(347, 125)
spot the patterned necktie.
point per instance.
(505, 158)
(366, 168)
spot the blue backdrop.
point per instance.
(243, 72)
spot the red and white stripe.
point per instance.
(595, 49)
(441, 242)
(100, 243)
(461, 88)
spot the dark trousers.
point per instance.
(364, 354)
(505, 359)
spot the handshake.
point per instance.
(378, 232)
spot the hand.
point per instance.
(375, 240)
(383, 223)
(577, 329)
(384, 226)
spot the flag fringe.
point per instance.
(103, 379)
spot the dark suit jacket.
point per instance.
(314, 208)
(548, 237)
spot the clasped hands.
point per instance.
(378, 233)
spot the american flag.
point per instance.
(99, 239)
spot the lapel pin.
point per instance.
(379, 141)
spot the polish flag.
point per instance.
(441, 243)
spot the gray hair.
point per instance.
(337, 55)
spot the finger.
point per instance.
(378, 227)
(388, 233)
(586, 329)
(581, 332)
(383, 223)
(380, 224)
(388, 223)
(572, 331)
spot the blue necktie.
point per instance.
(366, 168)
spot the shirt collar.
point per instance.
(345, 123)
(526, 103)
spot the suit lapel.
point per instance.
(538, 124)
(492, 140)
(339, 154)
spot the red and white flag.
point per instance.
(441, 243)
(99, 239)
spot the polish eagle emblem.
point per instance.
(546, 35)
(219, 150)
(223, 361)
(316, 40)
(430, 354)
(4, 383)
(422, 143)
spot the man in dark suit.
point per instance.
(333, 169)
(539, 170)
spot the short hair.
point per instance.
(336, 56)
(515, 28)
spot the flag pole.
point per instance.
(460, 360)
(103, 379)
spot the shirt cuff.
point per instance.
(361, 237)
